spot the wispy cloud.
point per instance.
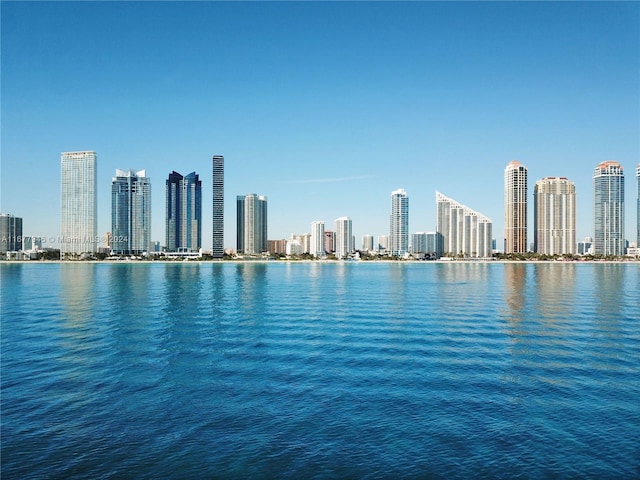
(332, 180)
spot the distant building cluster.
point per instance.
(460, 232)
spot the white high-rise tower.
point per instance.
(78, 205)
(399, 223)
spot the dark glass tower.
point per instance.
(184, 212)
(130, 212)
(217, 246)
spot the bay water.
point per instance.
(320, 370)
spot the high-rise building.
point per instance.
(460, 230)
(329, 241)
(431, 242)
(399, 222)
(251, 224)
(608, 209)
(344, 237)
(130, 212)
(383, 243)
(277, 246)
(184, 212)
(638, 205)
(515, 208)
(419, 243)
(217, 248)
(367, 243)
(78, 204)
(317, 239)
(10, 233)
(554, 223)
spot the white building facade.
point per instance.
(554, 223)
(399, 223)
(344, 237)
(461, 231)
(317, 239)
(78, 202)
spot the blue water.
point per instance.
(320, 370)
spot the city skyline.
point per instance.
(442, 101)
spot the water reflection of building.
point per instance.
(554, 289)
(78, 291)
(609, 287)
(251, 289)
(515, 279)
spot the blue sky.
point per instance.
(324, 107)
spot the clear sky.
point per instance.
(324, 107)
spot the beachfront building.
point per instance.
(608, 209)
(217, 235)
(317, 239)
(251, 224)
(130, 212)
(515, 208)
(460, 231)
(554, 223)
(183, 212)
(10, 233)
(78, 202)
(399, 223)
(344, 237)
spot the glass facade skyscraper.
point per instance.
(515, 208)
(554, 223)
(461, 231)
(399, 223)
(78, 204)
(608, 209)
(184, 212)
(217, 246)
(10, 233)
(251, 224)
(130, 212)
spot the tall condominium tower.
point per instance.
(344, 237)
(317, 239)
(329, 241)
(460, 230)
(130, 212)
(217, 248)
(608, 209)
(419, 243)
(10, 233)
(367, 243)
(399, 223)
(554, 223)
(638, 204)
(78, 212)
(184, 212)
(515, 208)
(251, 224)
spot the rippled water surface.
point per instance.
(320, 370)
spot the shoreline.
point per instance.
(321, 262)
